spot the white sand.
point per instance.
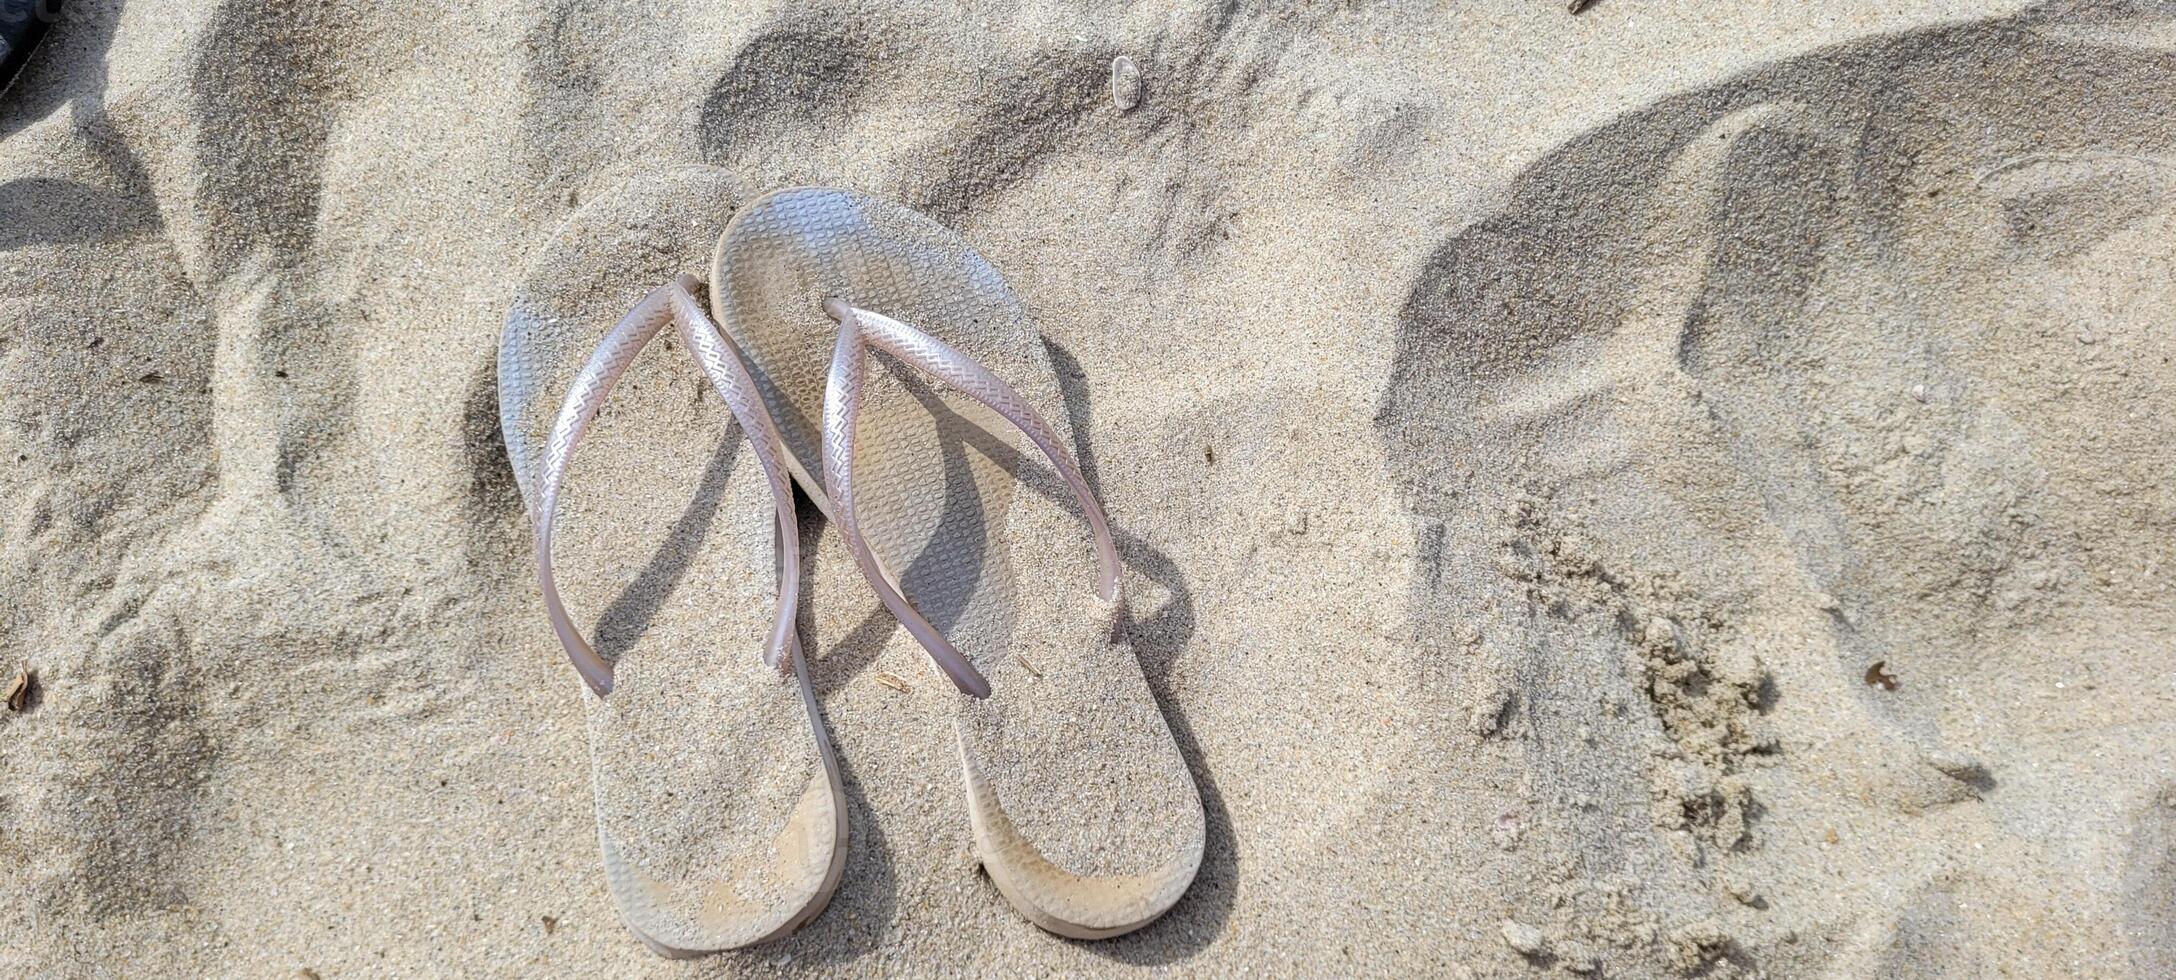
(1529, 430)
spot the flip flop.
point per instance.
(720, 813)
(1081, 805)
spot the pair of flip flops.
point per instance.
(868, 354)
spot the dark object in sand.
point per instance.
(1580, 6)
(22, 689)
(22, 25)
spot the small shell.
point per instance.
(1125, 83)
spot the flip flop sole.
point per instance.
(1082, 807)
(720, 812)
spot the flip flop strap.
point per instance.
(861, 329)
(585, 397)
(728, 373)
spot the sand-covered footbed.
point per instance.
(1681, 489)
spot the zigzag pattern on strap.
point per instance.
(729, 375)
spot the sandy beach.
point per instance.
(1669, 490)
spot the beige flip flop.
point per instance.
(970, 520)
(720, 813)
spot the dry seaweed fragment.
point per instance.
(893, 681)
(1879, 676)
(20, 689)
